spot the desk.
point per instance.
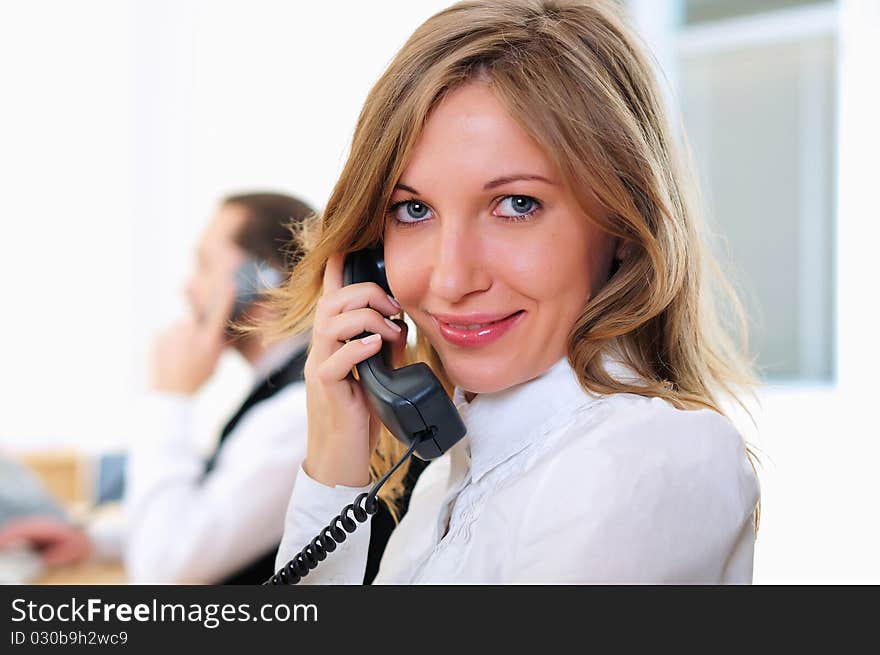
(63, 472)
(65, 475)
(111, 572)
(93, 571)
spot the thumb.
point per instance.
(217, 317)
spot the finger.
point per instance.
(10, 537)
(333, 272)
(221, 310)
(35, 529)
(356, 296)
(351, 324)
(56, 554)
(73, 548)
(352, 297)
(337, 367)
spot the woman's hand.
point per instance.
(342, 430)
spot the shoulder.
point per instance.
(281, 418)
(638, 435)
(642, 490)
(633, 459)
(286, 402)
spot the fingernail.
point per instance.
(373, 338)
(394, 302)
(393, 324)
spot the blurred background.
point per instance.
(124, 122)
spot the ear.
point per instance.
(621, 249)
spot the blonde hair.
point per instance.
(573, 76)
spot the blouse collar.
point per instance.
(501, 424)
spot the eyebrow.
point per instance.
(497, 182)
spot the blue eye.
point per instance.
(408, 211)
(518, 207)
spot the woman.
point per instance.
(515, 162)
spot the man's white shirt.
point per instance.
(181, 526)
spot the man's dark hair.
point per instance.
(266, 232)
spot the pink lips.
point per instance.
(474, 330)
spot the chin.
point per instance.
(482, 375)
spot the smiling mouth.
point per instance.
(476, 335)
(478, 326)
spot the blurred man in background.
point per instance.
(188, 519)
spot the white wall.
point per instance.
(66, 233)
(817, 442)
(123, 123)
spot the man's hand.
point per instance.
(58, 542)
(185, 354)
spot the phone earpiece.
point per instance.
(366, 265)
(410, 401)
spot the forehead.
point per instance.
(470, 136)
(223, 226)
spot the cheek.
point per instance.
(407, 266)
(549, 266)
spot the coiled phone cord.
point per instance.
(363, 507)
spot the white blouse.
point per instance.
(556, 485)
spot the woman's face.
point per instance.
(485, 248)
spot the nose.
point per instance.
(459, 266)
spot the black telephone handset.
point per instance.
(252, 279)
(410, 401)
(412, 404)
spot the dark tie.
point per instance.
(289, 373)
